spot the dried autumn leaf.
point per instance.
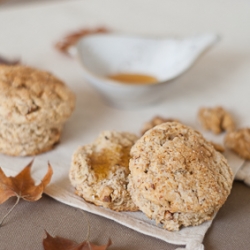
(59, 243)
(22, 186)
(72, 38)
(8, 62)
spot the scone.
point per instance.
(34, 105)
(99, 171)
(177, 178)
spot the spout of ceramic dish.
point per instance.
(187, 51)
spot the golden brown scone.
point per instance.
(177, 177)
(216, 119)
(34, 105)
(239, 142)
(99, 171)
(157, 120)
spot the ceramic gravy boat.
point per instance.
(103, 55)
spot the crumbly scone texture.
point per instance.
(27, 139)
(99, 171)
(157, 120)
(239, 142)
(216, 119)
(29, 95)
(177, 178)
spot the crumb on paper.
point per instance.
(216, 119)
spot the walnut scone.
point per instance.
(239, 142)
(34, 105)
(216, 119)
(157, 120)
(99, 171)
(177, 178)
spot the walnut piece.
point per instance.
(216, 119)
(239, 142)
(157, 120)
(218, 147)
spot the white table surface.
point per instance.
(29, 32)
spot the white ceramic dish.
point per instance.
(102, 55)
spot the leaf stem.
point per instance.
(17, 201)
(88, 233)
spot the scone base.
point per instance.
(28, 139)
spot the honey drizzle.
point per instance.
(102, 161)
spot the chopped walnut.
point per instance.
(106, 194)
(216, 119)
(218, 147)
(239, 142)
(157, 120)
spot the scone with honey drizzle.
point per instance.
(99, 171)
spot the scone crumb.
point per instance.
(216, 119)
(239, 142)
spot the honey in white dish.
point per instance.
(133, 78)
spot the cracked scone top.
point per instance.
(28, 95)
(177, 178)
(99, 171)
(33, 108)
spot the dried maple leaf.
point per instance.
(59, 243)
(72, 38)
(8, 62)
(22, 186)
